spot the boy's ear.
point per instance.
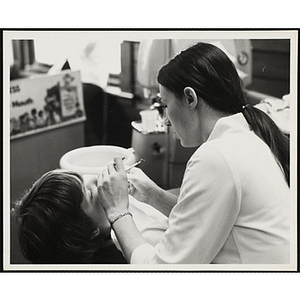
(190, 97)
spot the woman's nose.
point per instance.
(167, 121)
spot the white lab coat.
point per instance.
(233, 206)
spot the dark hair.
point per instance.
(213, 76)
(53, 228)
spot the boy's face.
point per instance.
(91, 204)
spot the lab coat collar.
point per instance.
(234, 123)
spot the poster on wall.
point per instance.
(45, 102)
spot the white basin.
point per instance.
(93, 159)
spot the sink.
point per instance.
(93, 159)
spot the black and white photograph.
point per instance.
(150, 150)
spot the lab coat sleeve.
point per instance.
(204, 216)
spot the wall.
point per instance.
(33, 155)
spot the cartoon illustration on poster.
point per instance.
(45, 101)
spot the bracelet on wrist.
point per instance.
(120, 216)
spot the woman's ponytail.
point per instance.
(214, 77)
(264, 127)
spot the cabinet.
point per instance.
(271, 67)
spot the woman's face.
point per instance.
(179, 115)
(91, 203)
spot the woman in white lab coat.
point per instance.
(233, 205)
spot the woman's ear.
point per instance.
(190, 97)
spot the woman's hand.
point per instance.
(112, 187)
(145, 190)
(142, 187)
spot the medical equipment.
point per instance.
(134, 165)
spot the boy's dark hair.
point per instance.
(53, 228)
